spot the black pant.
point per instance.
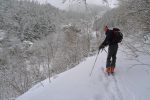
(111, 57)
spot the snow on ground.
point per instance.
(129, 83)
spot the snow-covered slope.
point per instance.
(129, 83)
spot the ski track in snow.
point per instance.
(114, 88)
(111, 87)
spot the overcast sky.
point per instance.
(59, 4)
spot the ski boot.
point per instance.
(108, 70)
(112, 70)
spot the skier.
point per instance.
(112, 49)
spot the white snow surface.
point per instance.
(129, 82)
(59, 3)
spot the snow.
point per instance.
(59, 3)
(94, 34)
(129, 83)
(2, 35)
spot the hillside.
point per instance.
(131, 82)
(39, 41)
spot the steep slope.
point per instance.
(129, 83)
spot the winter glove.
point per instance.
(101, 47)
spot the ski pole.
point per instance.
(105, 50)
(94, 63)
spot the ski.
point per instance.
(113, 74)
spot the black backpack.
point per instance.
(117, 35)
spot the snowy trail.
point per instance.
(112, 88)
(76, 84)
